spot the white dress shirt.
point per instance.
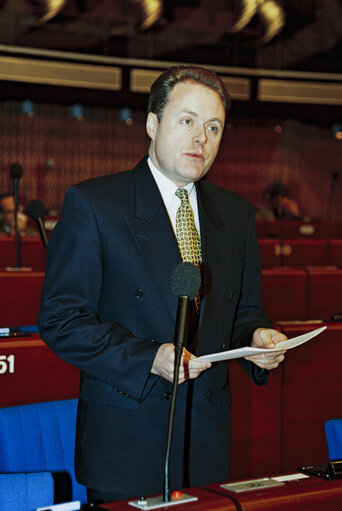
(168, 189)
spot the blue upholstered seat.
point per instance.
(333, 433)
(26, 492)
(40, 437)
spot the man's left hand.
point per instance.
(267, 338)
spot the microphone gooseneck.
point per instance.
(36, 211)
(185, 283)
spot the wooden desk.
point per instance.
(207, 500)
(324, 292)
(299, 229)
(30, 372)
(310, 494)
(311, 394)
(293, 252)
(284, 293)
(32, 252)
(20, 298)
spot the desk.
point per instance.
(30, 372)
(310, 494)
(207, 501)
(293, 252)
(20, 298)
(284, 293)
(31, 249)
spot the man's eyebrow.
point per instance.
(190, 112)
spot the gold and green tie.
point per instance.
(187, 236)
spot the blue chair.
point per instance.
(333, 433)
(40, 437)
(25, 492)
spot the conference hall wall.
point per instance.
(58, 147)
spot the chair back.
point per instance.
(40, 437)
(25, 492)
(333, 433)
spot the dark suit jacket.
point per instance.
(107, 305)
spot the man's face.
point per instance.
(186, 139)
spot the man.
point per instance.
(107, 305)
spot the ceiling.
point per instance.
(301, 35)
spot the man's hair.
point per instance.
(163, 85)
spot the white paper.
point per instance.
(290, 477)
(247, 351)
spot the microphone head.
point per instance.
(35, 209)
(185, 280)
(16, 170)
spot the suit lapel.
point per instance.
(154, 235)
(217, 242)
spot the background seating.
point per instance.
(333, 432)
(25, 492)
(41, 437)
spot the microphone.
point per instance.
(16, 171)
(36, 212)
(185, 283)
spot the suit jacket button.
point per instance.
(209, 395)
(168, 395)
(139, 293)
(231, 297)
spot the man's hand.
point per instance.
(267, 338)
(190, 367)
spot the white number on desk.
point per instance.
(6, 364)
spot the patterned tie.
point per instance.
(187, 236)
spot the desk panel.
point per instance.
(256, 414)
(20, 298)
(207, 500)
(30, 372)
(293, 252)
(310, 494)
(284, 293)
(324, 293)
(31, 250)
(311, 394)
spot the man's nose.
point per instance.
(200, 136)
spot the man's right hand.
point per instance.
(190, 366)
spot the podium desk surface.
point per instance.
(207, 500)
(308, 494)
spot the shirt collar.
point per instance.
(166, 187)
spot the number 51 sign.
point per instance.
(6, 364)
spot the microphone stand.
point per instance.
(179, 341)
(16, 232)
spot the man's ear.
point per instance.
(151, 125)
